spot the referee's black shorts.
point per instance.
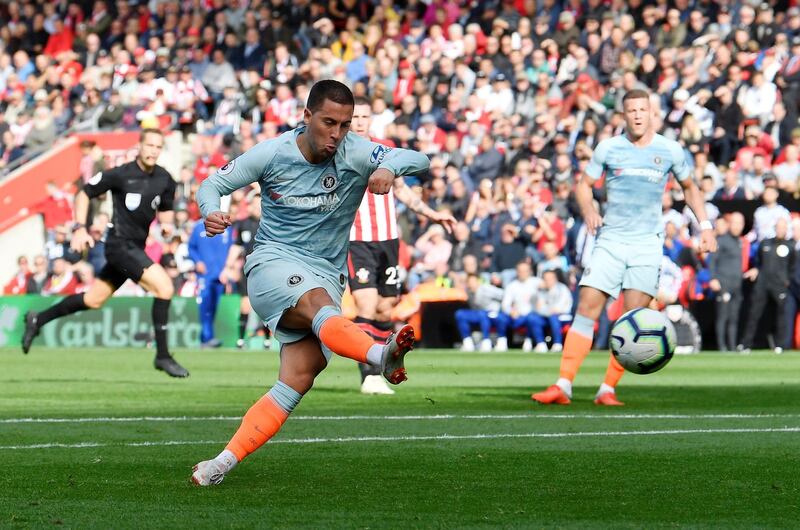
(125, 259)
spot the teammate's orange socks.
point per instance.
(341, 335)
(576, 346)
(613, 372)
(263, 420)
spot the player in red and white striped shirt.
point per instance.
(375, 249)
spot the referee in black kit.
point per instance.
(140, 190)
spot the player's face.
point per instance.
(362, 116)
(150, 149)
(328, 126)
(637, 117)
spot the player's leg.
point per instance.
(100, 291)
(379, 327)
(386, 255)
(640, 285)
(603, 278)
(362, 274)
(297, 297)
(244, 308)
(301, 362)
(606, 394)
(157, 282)
(577, 346)
(366, 302)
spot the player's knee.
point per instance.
(165, 291)
(302, 380)
(590, 308)
(93, 302)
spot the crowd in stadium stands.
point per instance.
(507, 97)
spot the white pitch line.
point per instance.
(433, 417)
(437, 437)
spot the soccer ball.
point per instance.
(643, 340)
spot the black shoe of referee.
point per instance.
(171, 366)
(31, 330)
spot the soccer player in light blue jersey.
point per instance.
(628, 249)
(312, 181)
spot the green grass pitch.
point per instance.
(713, 440)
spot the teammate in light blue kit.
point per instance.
(627, 253)
(312, 180)
(209, 256)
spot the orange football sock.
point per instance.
(261, 422)
(576, 348)
(345, 338)
(613, 372)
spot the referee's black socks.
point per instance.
(67, 306)
(160, 319)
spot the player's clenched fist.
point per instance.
(381, 181)
(216, 223)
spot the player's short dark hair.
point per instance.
(361, 100)
(329, 89)
(150, 130)
(635, 94)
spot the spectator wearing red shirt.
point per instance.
(62, 282)
(551, 229)
(55, 208)
(18, 284)
(60, 40)
(755, 142)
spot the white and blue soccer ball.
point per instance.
(643, 340)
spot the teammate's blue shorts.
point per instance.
(276, 279)
(617, 265)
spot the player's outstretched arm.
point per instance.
(415, 203)
(694, 199)
(242, 171)
(384, 164)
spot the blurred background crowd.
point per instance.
(507, 98)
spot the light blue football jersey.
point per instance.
(635, 181)
(307, 208)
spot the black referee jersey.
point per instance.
(136, 195)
